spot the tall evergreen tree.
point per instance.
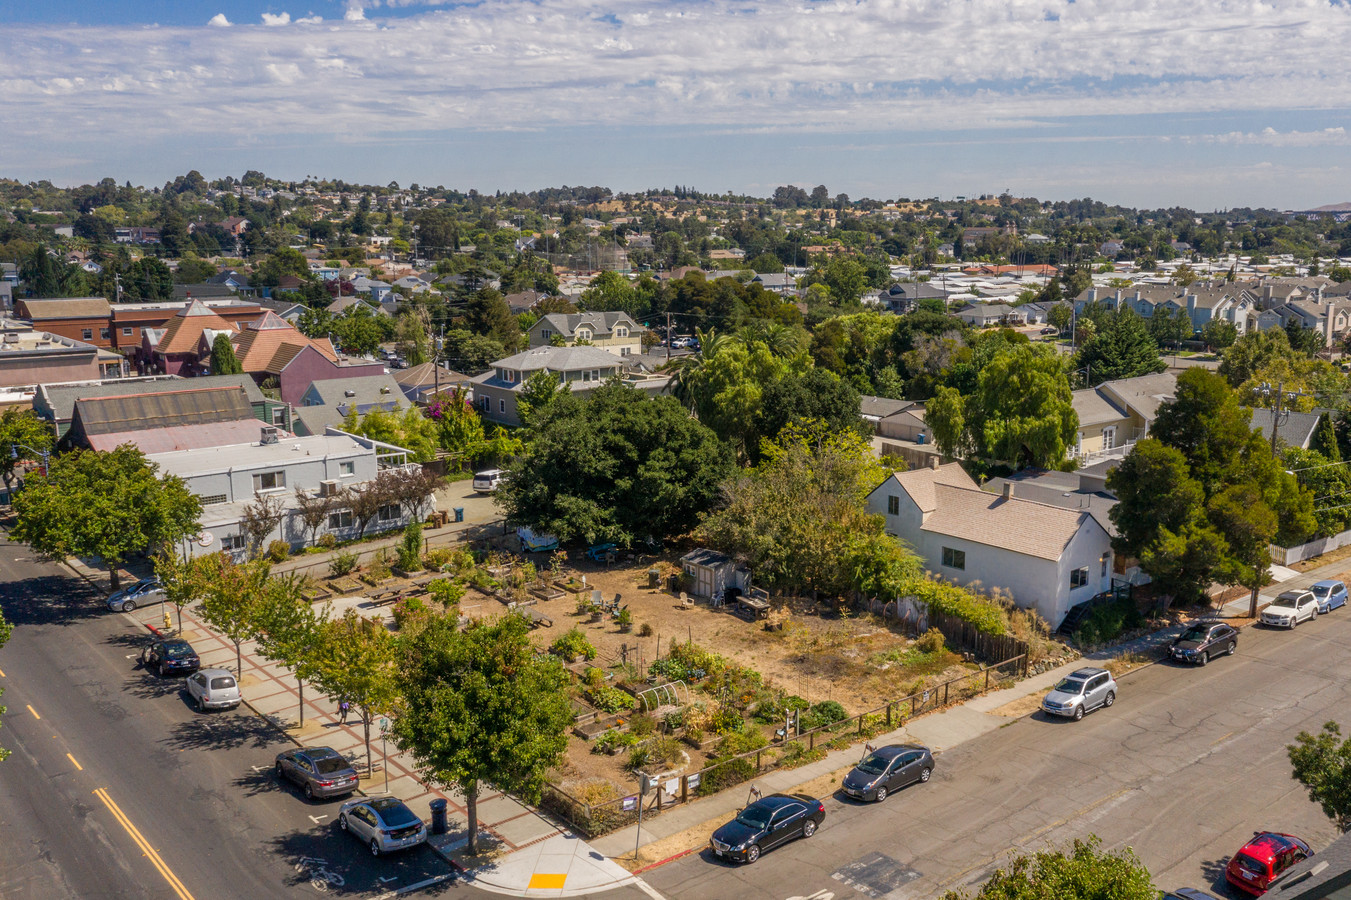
(223, 359)
(1122, 347)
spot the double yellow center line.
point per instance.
(141, 842)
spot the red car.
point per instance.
(1258, 863)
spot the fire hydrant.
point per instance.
(168, 622)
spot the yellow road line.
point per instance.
(2, 673)
(74, 760)
(33, 711)
(141, 842)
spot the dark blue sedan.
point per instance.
(767, 823)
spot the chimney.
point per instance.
(933, 461)
(1008, 490)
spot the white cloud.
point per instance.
(1270, 137)
(219, 21)
(309, 20)
(276, 19)
(354, 13)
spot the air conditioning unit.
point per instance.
(269, 435)
(330, 488)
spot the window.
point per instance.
(624, 351)
(347, 468)
(340, 519)
(501, 406)
(893, 505)
(1079, 578)
(595, 374)
(954, 559)
(390, 512)
(104, 333)
(278, 415)
(212, 499)
(87, 334)
(126, 332)
(269, 481)
(1105, 558)
(621, 331)
(546, 334)
(583, 334)
(233, 542)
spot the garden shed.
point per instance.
(711, 572)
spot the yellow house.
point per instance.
(614, 332)
(1116, 414)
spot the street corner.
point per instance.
(560, 866)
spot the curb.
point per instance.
(683, 853)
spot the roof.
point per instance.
(368, 392)
(558, 359)
(66, 308)
(1021, 526)
(920, 483)
(61, 398)
(1062, 489)
(199, 461)
(880, 407)
(425, 375)
(1144, 394)
(706, 557)
(1095, 409)
(181, 437)
(184, 329)
(270, 342)
(600, 323)
(1295, 429)
(110, 415)
(1331, 881)
(198, 291)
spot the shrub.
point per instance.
(572, 644)
(379, 569)
(410, 548)
(697, 661)
(614, 739)
(670, 669)
(609, 699)
(986, 614)
(642, 725)
(406, 611)
(327, 541)
(342, 563)
(444, 590)
(930, 641)
(827, 712)
(725, 775)
(278, 551)
(625, 619)
(594, 677)
(727, 720)
(645, 630)
(436, 558)
(742, 742)
(657, 751)
(1108, 620)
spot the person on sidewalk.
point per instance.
(342, 711)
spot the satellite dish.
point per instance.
(206, 539)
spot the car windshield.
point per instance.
(1070, 686)
(329, 764)
(177, 651)
(874, 765)
(1285, 602)
(1321, 590)
(393, 813)
(222, 683)
(1196, 633)
(754, 817)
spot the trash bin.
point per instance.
(459, 514)
(438, 816)
(653, 579)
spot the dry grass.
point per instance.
(1016, 709)
(1126, 661)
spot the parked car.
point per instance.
(1188, 894)
(1202, 640)
(319, 771)
(1050, 329)
(888, 769)
(174, 655)
(486, 482)
(383, 823)
(1329, 594)
(1083, 690)
(142, 593)
(1291, 608)
(1264, 859)
(767, 823)
(214, 689)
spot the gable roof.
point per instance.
(1295, 429)
(1095, 409)
(602, 324)
(66, 308)
(267, 344)
(184, 329)
(870, 407)
(367, 392)
(920, 483)
(1143, 394)
(1021, 526)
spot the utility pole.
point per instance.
(668, 336)
(1275, 423)
(117, 281)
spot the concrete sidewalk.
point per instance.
(561, 866)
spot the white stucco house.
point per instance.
(1046, 557)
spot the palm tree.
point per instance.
(687, 371)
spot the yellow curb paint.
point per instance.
(33, 711)
(76, 762)
(543, 882)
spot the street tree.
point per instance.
(1021, 410)
(182, 577)
(1169, 327)
(260, 518)
(108, 505)
(615, 466)
(1060, 315)
(1248, 525)
(1322, 763)
(232, 595)
(412, 336)
(459, 427)
(5, 630)
(1206, 423)
(1219, 334)
(1121, 348)
(352, 659)
(1080, 871)
(223, 359)
(366, 500)
(481, 707)
(22, 436)
(289, 628)
(1254, 351)
(537, 397)
(313, 510)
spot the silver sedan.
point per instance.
(383, 824)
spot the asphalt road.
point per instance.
(117, 788)
(1183, 768)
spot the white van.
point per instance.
(486, 482)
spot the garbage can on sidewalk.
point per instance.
(459, 514)
(438, 816)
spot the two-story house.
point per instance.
(612, 331)
(1046, 557)
(1116, 414)
(582, 369)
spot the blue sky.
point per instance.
(1129, 101)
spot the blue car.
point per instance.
(1329, 594)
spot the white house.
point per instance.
(1044, 556)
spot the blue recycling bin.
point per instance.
(439, 816)
(459, 514)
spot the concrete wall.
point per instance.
(303, 471)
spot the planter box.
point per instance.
(704, 744)
(547, 592)
(345, 585)
(400, 573)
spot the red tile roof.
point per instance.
(184, 330)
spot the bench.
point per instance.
(538, 618)
(387, 599)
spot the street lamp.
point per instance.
(45, 454)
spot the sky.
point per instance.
(1209, 105)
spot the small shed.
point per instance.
(713, 572)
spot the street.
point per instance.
(117, 788)
(1183, 768)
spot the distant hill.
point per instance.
(1333, 208)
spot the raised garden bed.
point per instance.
(346, 585)
(547, 592)
(314, 592)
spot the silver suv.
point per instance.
(1082, 691)
(214, 689)
(142, 593)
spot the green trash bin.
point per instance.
(653, 579)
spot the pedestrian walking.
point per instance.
(342, 711)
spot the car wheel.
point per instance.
(809, 828)
(1078, 712)
(281, 772)
(1232, 646)
(201, 704)
(752, 853)
(1109, 699)
(924, 774)
(1203, 658)
(309, 791)
(128, 606)
(375, 847)
(880, 795)
(163, 672)
(342, 821)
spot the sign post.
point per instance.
(384, 753)
(643, 784)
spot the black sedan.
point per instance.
(888, 769)
(1202, 641)
(767, 823)
(172, 656)
(319, 771)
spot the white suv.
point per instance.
(486, 482)
(1291, 608)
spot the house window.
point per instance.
(893, 505)
(390, 512)
(1078, 578)
(546, 334)
(621, 331)
(954, 559)
(1105, 557)
(104, 333)
(212, 499)
(278, 415)
(233, 542)
(501, 406)
(347, 468)
(595, 374)
(583, 334)
(624, 351)
(340, 519)
(126, 332)
(269, 481)
(87, 334)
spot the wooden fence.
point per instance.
(594, 819)
(961, 633)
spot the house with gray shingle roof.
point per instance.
(582, 369)
(612, 331)
(1047, 557)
